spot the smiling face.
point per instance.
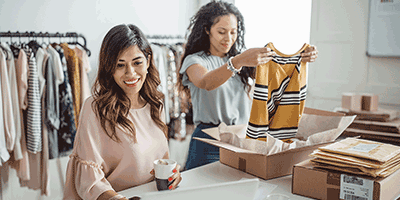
(130, 72)
(223, 35)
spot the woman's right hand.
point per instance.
(253, 57)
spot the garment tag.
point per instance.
(365, 148)
(352, 187)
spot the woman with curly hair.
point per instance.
(121, 129)
(216, 72)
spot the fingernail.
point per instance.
(170, 179)
(170, 187)
(174, 171)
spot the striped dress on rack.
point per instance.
(279, 97)
(34, 128)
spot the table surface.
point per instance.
(218, 173)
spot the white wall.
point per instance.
(340, 30)
(284, 23)
(92, 18)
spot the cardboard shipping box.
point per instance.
(332, 185)
(266, 166)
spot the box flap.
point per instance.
(226, 146)
(312, 111)
(303, 148)
(238, 129)
(213, 132)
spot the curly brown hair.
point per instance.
(111, 104)
(199, 40)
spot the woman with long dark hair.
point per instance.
(216, 72)
(121, 129)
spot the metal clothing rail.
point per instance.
(35, 35)
(164, 37)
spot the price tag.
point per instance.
(352, 187)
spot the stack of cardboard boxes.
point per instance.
(372, 122)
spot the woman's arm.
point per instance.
(210, 80)
(111, 195)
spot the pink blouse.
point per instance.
(98, 163)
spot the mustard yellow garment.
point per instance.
(279, 96)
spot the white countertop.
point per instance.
(219, 173)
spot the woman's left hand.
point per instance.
(176, 178)
(310, 54)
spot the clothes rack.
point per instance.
(71, 35)
(170, 48)
(164, 37)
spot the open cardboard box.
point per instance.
(267, 166)
(326, 184)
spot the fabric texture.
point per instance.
(98, 163)
(279, 96)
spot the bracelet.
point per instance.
(232, 68)
(116, 197)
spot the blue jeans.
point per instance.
(201, 153)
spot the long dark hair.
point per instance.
(199, 40)
(111, 104)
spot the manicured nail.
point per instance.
(170, 179)
(170, 187)
(174, 171)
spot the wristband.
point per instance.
(232, 68)
(116, 197)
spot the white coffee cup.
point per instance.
(163, 171)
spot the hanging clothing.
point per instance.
(84, 67)
(15, 103)
(39, 162)
(52, 115)
(279, 96)
(8, 118)
(74, 78)
(159, 62)
(95, 166)
(67, 130)
(21, 67)
(34, 135)
(40, 57)
(4, 155)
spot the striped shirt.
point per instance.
(34, 130)
(279, 96)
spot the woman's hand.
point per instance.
(176, 177)
(310, 54)
(253, 57)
